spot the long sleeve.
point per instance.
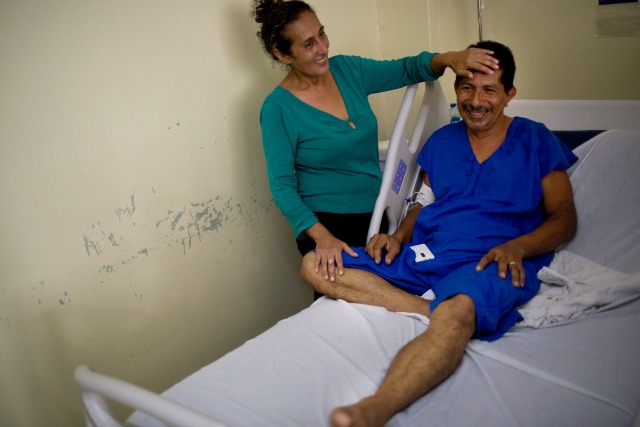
(317, 162)
(280, 151)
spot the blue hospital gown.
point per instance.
(478, 206)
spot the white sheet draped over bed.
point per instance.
(607, 193)
(574, 286)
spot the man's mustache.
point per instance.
(472, 109)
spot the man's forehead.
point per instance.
(484, 79)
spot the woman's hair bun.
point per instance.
(263, 8)
(273, 16)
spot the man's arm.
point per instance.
(391, 244)
(560, 226)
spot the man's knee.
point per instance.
(307, 269)
(458, 312)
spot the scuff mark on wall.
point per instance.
(181, 227)
(177, 125)
(64, 298)
(107, 268)
(112, 239)
(5, 320)
(129, 209)
(90, 245)
(41, 287)
(176, 220)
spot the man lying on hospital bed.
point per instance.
(502, 201)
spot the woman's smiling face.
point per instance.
(309, 46)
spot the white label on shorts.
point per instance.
(422, 252)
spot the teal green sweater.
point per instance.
(317, 162)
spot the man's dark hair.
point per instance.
(506, 62)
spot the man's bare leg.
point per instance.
(362, 287)
(418, 367)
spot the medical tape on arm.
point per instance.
(425, 196)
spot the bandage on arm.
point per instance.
(425, 196)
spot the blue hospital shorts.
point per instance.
(496, 300)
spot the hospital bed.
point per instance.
(573, 361)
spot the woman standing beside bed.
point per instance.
(319, 133)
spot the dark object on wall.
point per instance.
(603, 2)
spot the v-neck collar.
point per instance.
(349, 119)
(506, 141)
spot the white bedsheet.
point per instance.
(607, 194)
(573, 286)
(296, 372)
(333, 353)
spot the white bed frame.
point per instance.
(97, 388)
(399, 179)
(579, 115)
(401, 172)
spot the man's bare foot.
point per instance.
(358, 415)
(340, 418)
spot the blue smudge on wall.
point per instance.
(128, 210)
(113, 239)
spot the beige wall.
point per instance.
(138, 232)
(556, 53)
